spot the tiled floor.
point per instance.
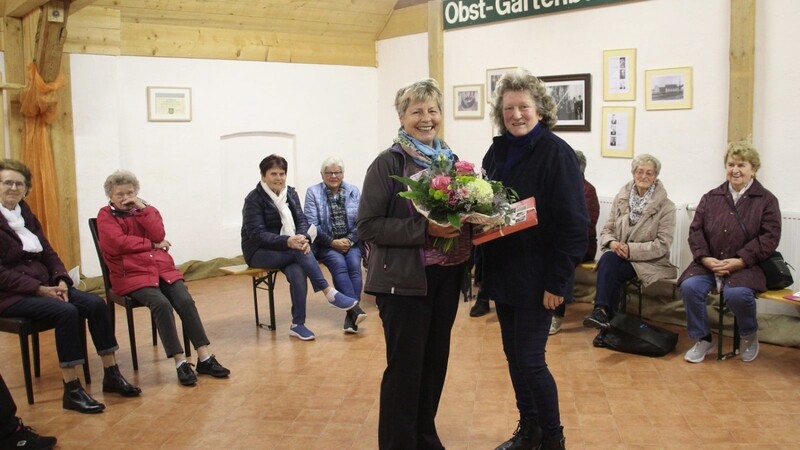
(288, 394)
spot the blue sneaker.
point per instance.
(301, 332)
(342, 301)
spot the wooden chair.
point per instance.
(262, 279)
(127, 302)
(26, 327)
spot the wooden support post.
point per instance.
(436, 47)
(50, 37)
(742, 67)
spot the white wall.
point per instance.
(401, 61)
(328, 109)
(776, 130)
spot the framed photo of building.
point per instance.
(668, 88)
(169, 104)
(468, 101)
(492, 75)
(573, 97)
(619, 75)
(616, 140)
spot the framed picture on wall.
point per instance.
(616, 140)
(169, 104)
(468, 101)
(668, 88)
(619, 75)
(573, 97)
(492, 75)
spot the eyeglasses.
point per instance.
(11, 183)
(332, 174)
(645, 173)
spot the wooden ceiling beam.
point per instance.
(21, 8)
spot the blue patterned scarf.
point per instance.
(421, 153)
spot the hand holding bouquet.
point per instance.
(452, 193)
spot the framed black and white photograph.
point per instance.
(616, 140)
(573, 97)
(492, 75)
(169, 104)
(619, 75)
(468, 101)
(668, 88)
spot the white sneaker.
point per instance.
(749, 347)
(698, 352)
(555, 325)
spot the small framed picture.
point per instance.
(619, 75)
(616, 140)
(169, 104)
(573, 97)
(492, 75)
(668, 88)
(468, 101)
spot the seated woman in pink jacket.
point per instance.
(132, 237)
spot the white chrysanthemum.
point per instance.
(480, 191)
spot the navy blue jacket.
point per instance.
(261, 222)
(518, 268)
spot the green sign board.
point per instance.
(462, 13)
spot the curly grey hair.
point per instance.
(422, 90)
(523, 80)
(643, 159)
(119, 178)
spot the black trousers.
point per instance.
(8, 411)
(417, 334)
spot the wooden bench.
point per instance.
(777, 296)
(263, 279)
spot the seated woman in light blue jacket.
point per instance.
(332, 207)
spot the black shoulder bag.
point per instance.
(775, 268)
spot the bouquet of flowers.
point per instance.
(452, 193)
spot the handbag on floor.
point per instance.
(629, 334)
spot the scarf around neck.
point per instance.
(30, 242)
(422, 154)
(287, 221)
(637, 203)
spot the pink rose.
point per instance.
(464, 168)
(440, 182)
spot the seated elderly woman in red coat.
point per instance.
(736, 226)
(34, 284)
(132, 237)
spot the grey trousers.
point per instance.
(161, 301)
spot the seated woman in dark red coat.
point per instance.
(132, 237)
(736, 226)
(34, 284)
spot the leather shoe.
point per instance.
(113, 381)
(77, 399)
(480, 308)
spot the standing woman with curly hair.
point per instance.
(528, 273)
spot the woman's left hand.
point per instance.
(63, 295)
(552, 301)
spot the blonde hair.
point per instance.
(422, 90)
(745, 151)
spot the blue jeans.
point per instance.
(296, 266)
(741, 300)
(345, 269)
(524, 332)
(612, 272)
(66, 317)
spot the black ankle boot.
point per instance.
(554, 442)
(113, 381)
(77, 399)
(480, 308)
(527, 436)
